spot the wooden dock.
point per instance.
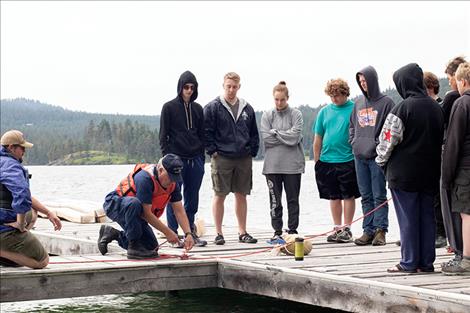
(339, 276)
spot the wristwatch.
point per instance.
(188, 233)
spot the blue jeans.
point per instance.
(371, 182)
(193, 171)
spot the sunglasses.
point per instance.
(188, 87)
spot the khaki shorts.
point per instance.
(23, 243)
(231, 175)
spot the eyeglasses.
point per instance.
(188, 87)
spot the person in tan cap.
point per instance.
(18, 209)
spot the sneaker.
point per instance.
(379, 237)
(364, 240)
(461, 268)
(456, 260)
(247, 238)
(292, 232)
(441, 242)
(219, 240)
(198, 242)
(276, 240)
(345, 235)
(178, 245)
(334, 236)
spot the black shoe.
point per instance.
(441, 242)
(247, 238)
(135, 250)
(107, 234)
(292, 232)
(219, 240)
(198, 242)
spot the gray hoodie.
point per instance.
(368, 118)
(282, 137)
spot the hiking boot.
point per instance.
(441, 242)
(135, 250)
(219, 240)
(456, 260)
(379, 237)
(364, 240)
(247, 238)
(334, 236)
(461, 268)
(107, 234)
(198, 242)
(345, 235)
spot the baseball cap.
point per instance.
(173, 165)
(14, 137)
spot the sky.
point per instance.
(126, 57)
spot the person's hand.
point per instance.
(20, 226)
(54, 220)
(188, 242)
(171, 237)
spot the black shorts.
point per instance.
(461, 192)
(336, 181)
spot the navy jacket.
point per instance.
(14, 179)
(228, 135)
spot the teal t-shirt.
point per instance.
(333, 126)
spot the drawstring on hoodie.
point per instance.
(189, 115)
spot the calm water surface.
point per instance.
(92, 183)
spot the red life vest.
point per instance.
(160, 196)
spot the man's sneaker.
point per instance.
(198, 242)
(219, 240)
(441, 242)
(456, 260)
(379, 237)
(364, 240)
(345, 235)
(334, 236)
(178, 245)
(136, 250)
(107, 234)
(292, 232)
(247, 238)
(276, 240)
(462, 268)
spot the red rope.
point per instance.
(185, 256)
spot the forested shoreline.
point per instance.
(63, 136)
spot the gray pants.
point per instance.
(452, 223)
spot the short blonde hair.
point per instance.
(463, 72)
(336, 87)
(233, 76)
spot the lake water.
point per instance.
(57, 183)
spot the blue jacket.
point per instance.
(230, 136)
(15, 179)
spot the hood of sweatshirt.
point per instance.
(187, 78)
(409, 81)
(373, 90)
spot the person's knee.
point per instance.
(43, 263)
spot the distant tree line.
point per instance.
(57, 132)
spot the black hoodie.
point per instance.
(368, 118)
(182, 124)
(411, 138)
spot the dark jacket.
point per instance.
(182, 124)
(368, 118)
(15, 192)
(456, 153)
(228, 135)
(411, 138)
